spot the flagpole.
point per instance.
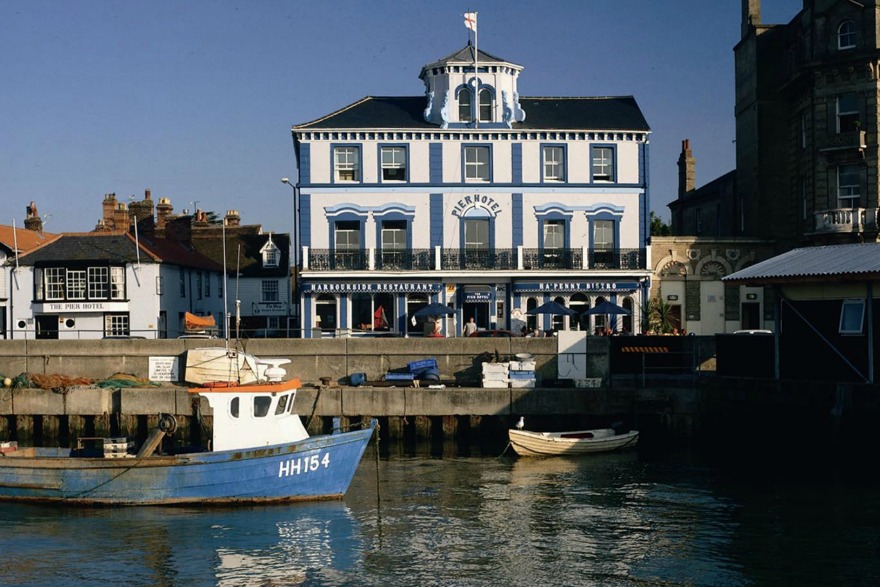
(476, 71)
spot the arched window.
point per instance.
(485, 106)
(580, 304)
(557, 321)
(846, 35)
(531, 319)
(627, 319)
(464, 105)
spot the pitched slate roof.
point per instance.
(856, 262)
(115, 248)
(84, 247)
(465, 55)
(610, 113)
(247, 260)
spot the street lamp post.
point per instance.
(296, 251)
(295, 219)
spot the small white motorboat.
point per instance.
(577, 442)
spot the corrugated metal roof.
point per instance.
(835, 262)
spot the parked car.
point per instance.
(493, 334)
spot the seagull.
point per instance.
(521, 423)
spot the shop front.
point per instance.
(335, 308)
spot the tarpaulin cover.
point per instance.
(193, 322)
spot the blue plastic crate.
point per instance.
(521, 375)
(399, 376)
(421, 365)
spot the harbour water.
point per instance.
(429, 517)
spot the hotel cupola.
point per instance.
(453, 99)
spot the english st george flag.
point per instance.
(470, 20)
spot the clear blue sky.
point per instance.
(195, 99)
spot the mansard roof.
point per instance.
(607, 113)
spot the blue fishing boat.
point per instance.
(260, 452)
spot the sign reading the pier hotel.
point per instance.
(82, 307)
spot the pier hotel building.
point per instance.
(473, 197)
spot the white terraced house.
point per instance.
(475, 198)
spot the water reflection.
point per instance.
(271, 545)
(616, 519)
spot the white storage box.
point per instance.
(494, 368)
(522, 383)
(495, 377)
(495, 384)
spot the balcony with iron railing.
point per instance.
(846, 221)
(441, 259)
(843, 141)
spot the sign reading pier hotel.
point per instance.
(82, 307)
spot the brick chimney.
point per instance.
(32, 220)
(687, 169)
(108, 207)
(143, 211)
(163, 212)
(232, 218)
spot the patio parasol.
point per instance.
(606, 308)
(434, 309)
(554, 308)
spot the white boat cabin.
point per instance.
(254, 416)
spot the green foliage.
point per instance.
(658, 227)
(659, 318)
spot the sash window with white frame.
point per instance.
(847, 112)
(393, 163)
(476, 164)
(848, 186)
(554, 242)
(554, 164)
(347, 161)
(393, 242)
(603, 164)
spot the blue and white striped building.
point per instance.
(487, 202)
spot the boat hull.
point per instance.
(316, 468)
(526, 443)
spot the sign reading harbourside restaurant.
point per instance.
(403, 287)
(576, 286)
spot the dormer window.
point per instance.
(846, 35)
(271, 254)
